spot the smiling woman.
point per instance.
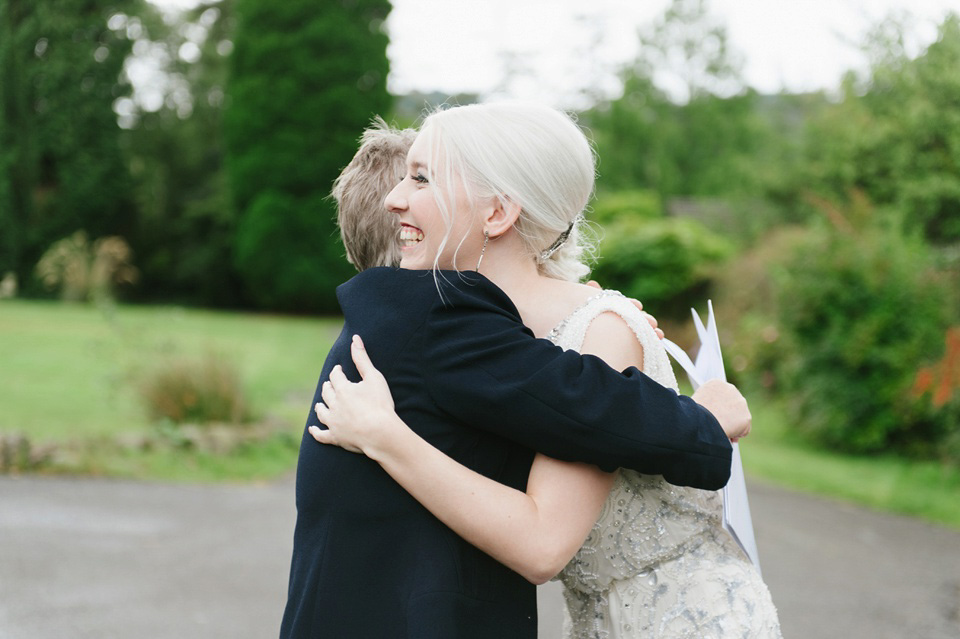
(474, 161)
(426, 223)
(410, 236)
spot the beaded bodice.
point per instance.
(644, 520)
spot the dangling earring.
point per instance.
(486, 238)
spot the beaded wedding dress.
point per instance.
(658, 562)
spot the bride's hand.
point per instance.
(357, 415)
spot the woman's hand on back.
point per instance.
(360, 415)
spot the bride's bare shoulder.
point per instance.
(612, 340)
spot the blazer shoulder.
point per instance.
(434, 288)
(459, 292)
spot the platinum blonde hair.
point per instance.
(524, 153)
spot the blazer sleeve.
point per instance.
(483, 367)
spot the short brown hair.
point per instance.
(368, 231)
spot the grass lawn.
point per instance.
(773, 452)
(71, 372)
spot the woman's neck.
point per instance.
(542, 301)
(508, 266)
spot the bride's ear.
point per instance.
(501, 216)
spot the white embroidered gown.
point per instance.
(658, 563)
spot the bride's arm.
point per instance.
(533, 533)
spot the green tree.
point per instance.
(306, 77)
(630, 137)
(895, 135)
(686, 51)
(61, 168)
(685, 125)
(186, 221)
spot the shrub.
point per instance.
(84, 271)
(19, 454)
(635, 204)
(195, 391)
(745, 299)
(859, 311)
(664, 263)
(938, 388)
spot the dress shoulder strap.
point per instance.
(572, 331)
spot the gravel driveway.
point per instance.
(103, 559)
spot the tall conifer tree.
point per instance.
(306, 78)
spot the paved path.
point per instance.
(103, 559)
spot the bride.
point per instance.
(486, 187)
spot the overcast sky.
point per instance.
(559, 47)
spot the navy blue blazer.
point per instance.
(368, 560)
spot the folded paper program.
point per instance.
(709, 365)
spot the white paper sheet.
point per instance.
(709, 365)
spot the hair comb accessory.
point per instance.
(559, 242)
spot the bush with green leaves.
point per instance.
(744, 298)
(665, 263)
(635, 204)
(937, 388)
(201, 391)
(860, 310)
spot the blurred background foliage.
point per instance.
(826, 226)
(61, 165)
(303, 82)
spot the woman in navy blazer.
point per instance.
(369, 561)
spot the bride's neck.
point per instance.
(507, 265)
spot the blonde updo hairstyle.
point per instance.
(528, 154)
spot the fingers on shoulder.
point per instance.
(322, 436)
(611, 339)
